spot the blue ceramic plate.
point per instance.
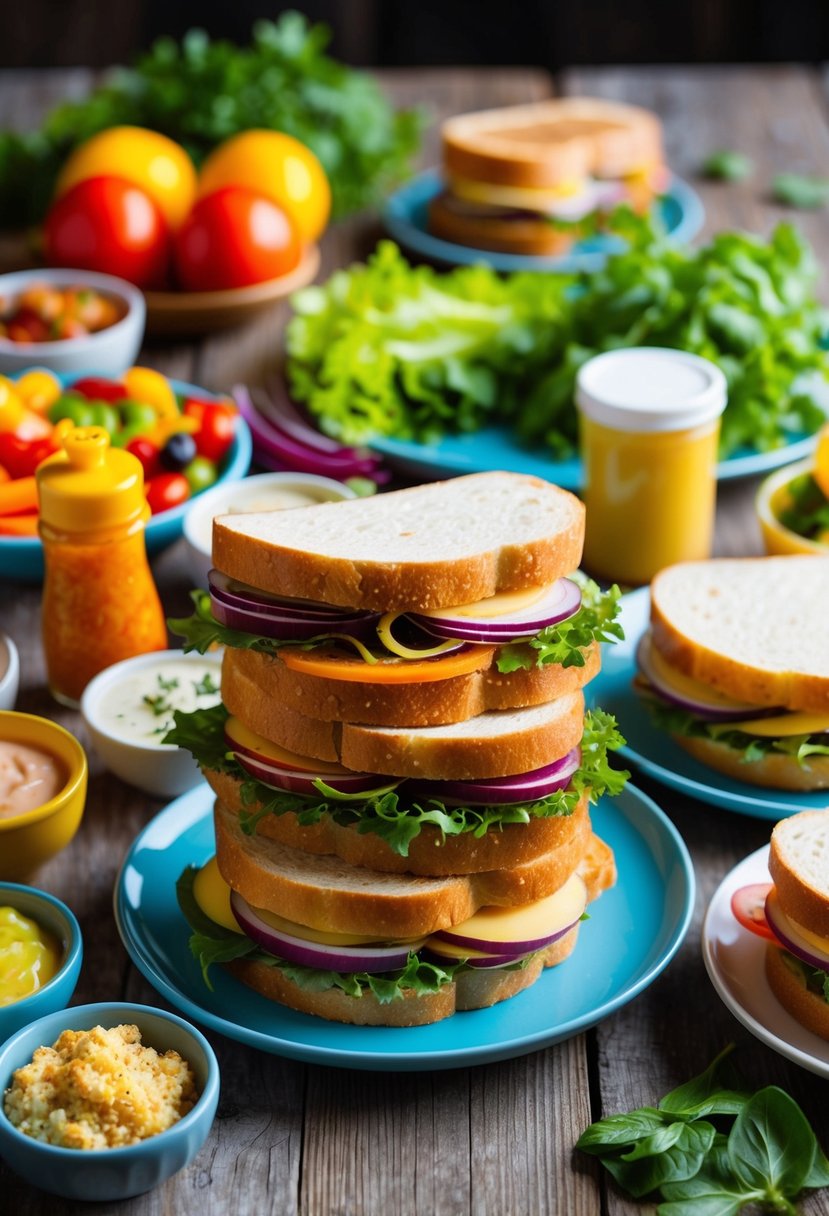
(495, 448)
(21, 557)
(405, 216)
(656, 754)
(632, 933)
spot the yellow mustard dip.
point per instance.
(29, 956)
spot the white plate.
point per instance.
(734, 959)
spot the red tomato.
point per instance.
(96, 388)
(20, 457)
(216, 429)
(167, 490)
(233, 238)
(147, 452)
(110, 225)
(749, 906)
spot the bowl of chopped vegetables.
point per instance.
(185, 438)
(69, 320)
(793, 505)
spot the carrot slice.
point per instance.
(19, 494)
(18, 525)
(395, 671)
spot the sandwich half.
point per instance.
(793, 915)
(531, 179)
(735, 666)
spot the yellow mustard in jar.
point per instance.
(649, 420)
(29, 956)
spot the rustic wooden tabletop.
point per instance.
(297, 1138)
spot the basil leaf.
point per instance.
(678, 1153)
(798, 190)
(617, 1131)
(719, 1090)
(728, 166)
(771, 1147)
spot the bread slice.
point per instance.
(753, 627)
(775, 770)
(434, 546)
(321, 891)
(430, 853)
(799, 866)
(261, 689)
(496, 744)
(550, 143)
(810, 1009)
(462, 223)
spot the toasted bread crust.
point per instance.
(549, 142)
(532, 235)
(262, 691)
(807, 1007)
(776, 771)
(430, 854)
(800, 899)
(289, 565)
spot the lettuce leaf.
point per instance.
(677, 721)
(808, 509)
(390, 815)
(565, 643)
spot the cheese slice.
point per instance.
(783, 725)
(503, 604)
(212, 894)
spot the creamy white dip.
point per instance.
(139, 708)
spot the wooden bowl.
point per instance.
(200, 312)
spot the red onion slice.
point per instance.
(266, 616)
(789, 937)
(512, 950)
(240, 595)
(561, 600)
(373, 959)
(299, 780)
(499, 791)
(431, 953)
(702, 702)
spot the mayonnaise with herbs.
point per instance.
(139, 708)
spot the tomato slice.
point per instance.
(401, 671)
(749, 906)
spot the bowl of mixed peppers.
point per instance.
(185, 438)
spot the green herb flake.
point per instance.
(727, 165)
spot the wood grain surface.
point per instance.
(494, 1140)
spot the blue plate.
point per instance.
(496, 448)
(656, 754)
(632, 933)
(405, 216)
(21, 557)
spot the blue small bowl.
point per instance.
(21, 557)
(55, 918)
(111, 1173)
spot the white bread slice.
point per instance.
(496, 744)
(260, 689)
(807, 1007)
(430, 854)
(548, 143)
(799, 866)
(775, 770)
(433, 546)
(756, 628)
(323, 891)
(453, 220)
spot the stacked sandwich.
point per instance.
(736, 666)
(402, 760)
(793, 915)
(531, 179)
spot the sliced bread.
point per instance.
(788, 985)
(774, 770)
(755, 628)
(260, 688)
(799, 865)
(433, 546)
(431, 854)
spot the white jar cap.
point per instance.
(650, 388)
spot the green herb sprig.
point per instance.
(766, 1158)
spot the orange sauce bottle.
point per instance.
(100, 604)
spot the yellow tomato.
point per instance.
(147, 159)
(277, 166)
(821, 473)
(39, 388)
(149, 386)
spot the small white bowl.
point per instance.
(108, 352)
(251, 494)
(9, 672)
(154, 767)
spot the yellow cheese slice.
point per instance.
(529, 922)
(684, 685)
(525, 198)
(325, 937)
(212, 894)
(814, 939)
(496, 605)
(783, 725)
(238, 733)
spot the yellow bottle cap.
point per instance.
(90, 486)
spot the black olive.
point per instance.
(178, 451)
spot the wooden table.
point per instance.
(295, 1138)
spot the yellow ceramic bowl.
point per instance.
(28, 840)
(772, 498)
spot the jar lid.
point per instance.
(650, 388)
(90, 485)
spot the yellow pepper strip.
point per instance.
(12, 410)
(147, 385)
(39, 389)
